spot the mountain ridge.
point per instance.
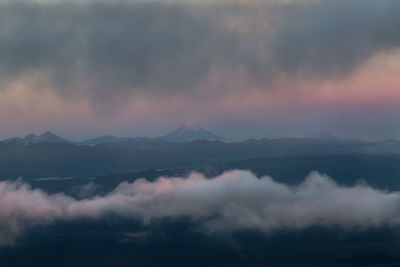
(104, 139)
(321, 134)
(190, 131)
(32, 138)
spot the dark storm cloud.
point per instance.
(104, 49)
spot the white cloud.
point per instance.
(232, 201)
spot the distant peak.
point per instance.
(321, 134)
(189, 131)
(47, 136)
(190, 125)
(47, 133)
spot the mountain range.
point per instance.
(48, 159)
(46, 137)
(187, 132)
(321, 134)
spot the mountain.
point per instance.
(190, 132)
(322, 135)
(68, 159)
(47, 137)
(104, 139)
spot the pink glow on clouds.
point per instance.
(234, 200)
(378, 82)
(375, 86)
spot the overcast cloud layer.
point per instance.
(101, 49)
(235, 200)
(115, 64)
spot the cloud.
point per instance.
(101, 50)
(21, 206)
(331, 38)
(233, 201)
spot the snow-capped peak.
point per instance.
(190, 126)
(189, 131)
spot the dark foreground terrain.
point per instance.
(180, 242)
(378, 171)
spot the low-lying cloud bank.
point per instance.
(232, 201)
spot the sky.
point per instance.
(240, 68)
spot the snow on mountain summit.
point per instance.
(190, 131)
